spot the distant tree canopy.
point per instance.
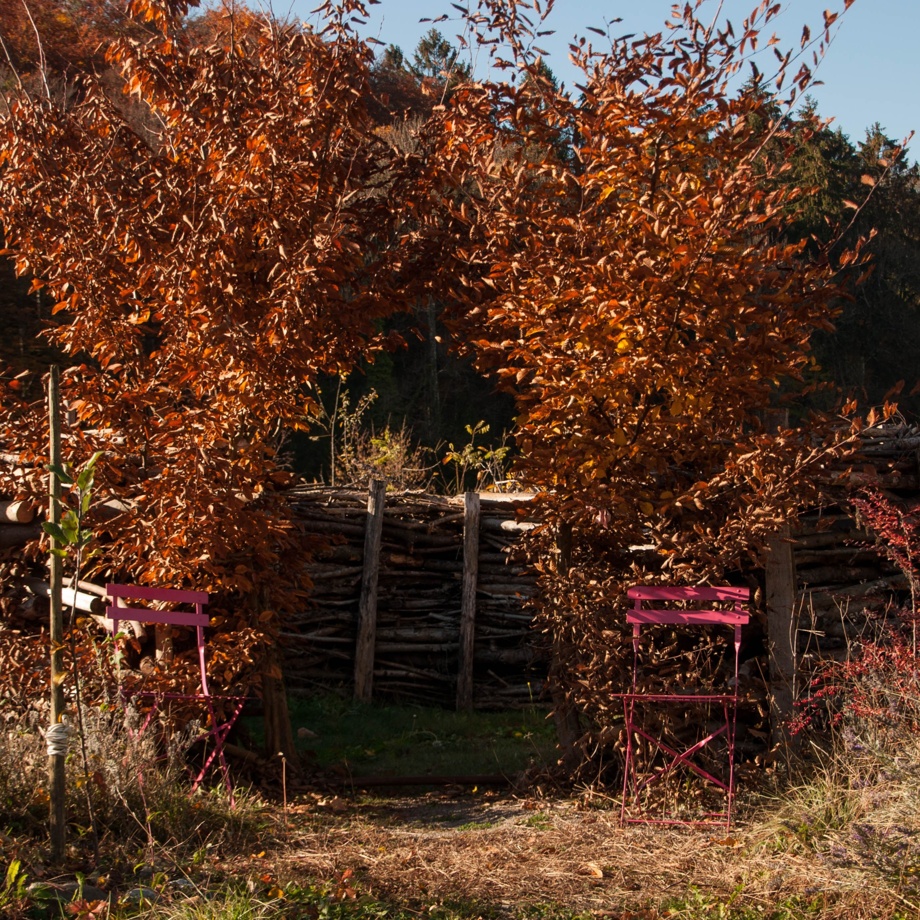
(437, 59)
(872, 351)
(65, 38)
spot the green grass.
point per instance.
(539, 821)
(375, 740)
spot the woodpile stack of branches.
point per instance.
(25, 596)
(419, 595)
(23, 611)
(25, 605)
(847, 587)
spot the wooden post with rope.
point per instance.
(56, 751)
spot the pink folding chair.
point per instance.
(639, 779)
(221, 711)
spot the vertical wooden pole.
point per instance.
(782, 626)
(565, 715)
(471, 508)
(782, 630)
(56, 776)
(367, 608)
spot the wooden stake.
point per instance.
(56, 627)
(367, 608)
(468, 602)
(781, 634)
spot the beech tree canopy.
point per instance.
(229, 222)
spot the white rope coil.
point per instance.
(57, 738)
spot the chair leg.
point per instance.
(628, 765)
(218, 733)
(676, 760)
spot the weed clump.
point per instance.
(138, 787)
(858, 808)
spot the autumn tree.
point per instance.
(206, 271)
(618, 260)
(64, 38)
(642, 303)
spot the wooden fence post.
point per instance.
(367, 607)
(471, 508)
(782, 633)
(56, 777)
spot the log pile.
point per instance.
(24, 594)
(22, 599)
(846, 586)
(420, 573)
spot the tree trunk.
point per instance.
(565, 715)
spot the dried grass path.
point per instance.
(510, 852)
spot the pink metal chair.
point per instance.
(221, 711)
(638, 779)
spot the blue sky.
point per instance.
(871, 71)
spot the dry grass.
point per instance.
(842, 842)
(517, 853)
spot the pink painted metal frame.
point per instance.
(641, 615)
(218, 730)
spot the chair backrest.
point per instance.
(690, 616)
(198, 618)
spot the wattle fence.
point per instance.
(418, 597)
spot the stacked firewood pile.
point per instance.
(420, 575)
(846, 585)
(20, 589)
(24, 606)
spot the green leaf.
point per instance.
(70, 525)
(15, 878)
(85, 479)
(61, 472)
(54, 531)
